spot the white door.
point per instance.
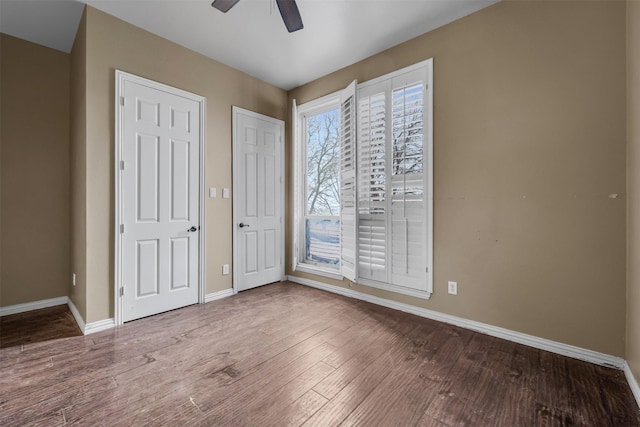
(160, 211)
(258, 195)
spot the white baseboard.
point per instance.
(507, 334)
(35, 305)
(98, 326)
(631, 379)
(91, 327)
(218, 295)
(76, 315)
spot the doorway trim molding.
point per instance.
(234, 154)
(120, 78)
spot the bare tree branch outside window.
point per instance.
(323, 164)
(322, 225)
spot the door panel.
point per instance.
(147, 268)
(251, 190)
(180, 180)
(270, 249)
(179, 263)
(270, 186)
(147, 178)
(160, 200)
(258, 175)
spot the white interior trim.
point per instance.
(495, 331)
(100, 325)
(35, 305)
(76, 315)
(631, 379)
(121, 77)
(202, 264)
(299, 162)
(219, 295)
(318, 271)
(235, 111)
(92, 327)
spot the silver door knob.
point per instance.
(243, 225)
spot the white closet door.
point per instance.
(160, 206)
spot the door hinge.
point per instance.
(121, 165)
(122, 101)
(121, 291)
(121, 228)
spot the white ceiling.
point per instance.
(251, 37)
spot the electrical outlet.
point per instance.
(225, 269)
(453, 288)
(73, 279)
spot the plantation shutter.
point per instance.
(348, 182)
(296, 138)
(394, 182)
(372, 183)
(408, 204)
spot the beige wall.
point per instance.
(78, 169)
(35, 172)
(113, 44)
(633, 183)
(529, 141)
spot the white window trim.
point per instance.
(329, 101)
(298, 188)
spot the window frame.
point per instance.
(334, 100)
(316, 106)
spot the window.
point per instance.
(384, 232)
(318, 175)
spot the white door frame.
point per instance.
(235, 112)
(121, 78)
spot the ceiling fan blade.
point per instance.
(290, 15)
(224, 5)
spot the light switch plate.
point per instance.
(225, 193)
(225, 269)
(212, 192)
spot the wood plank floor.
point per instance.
(285, 354)
(37, 325)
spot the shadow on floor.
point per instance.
(37, 326)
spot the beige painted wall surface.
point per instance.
(35, 172)
(529, 143)
(78, 168)
(113, 44)
(633, 183)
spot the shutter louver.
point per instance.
(372, 171)
(372, 154)
(348, 183)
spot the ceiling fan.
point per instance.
(288, 10)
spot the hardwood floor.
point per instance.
(285, 354)
(38, 325)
